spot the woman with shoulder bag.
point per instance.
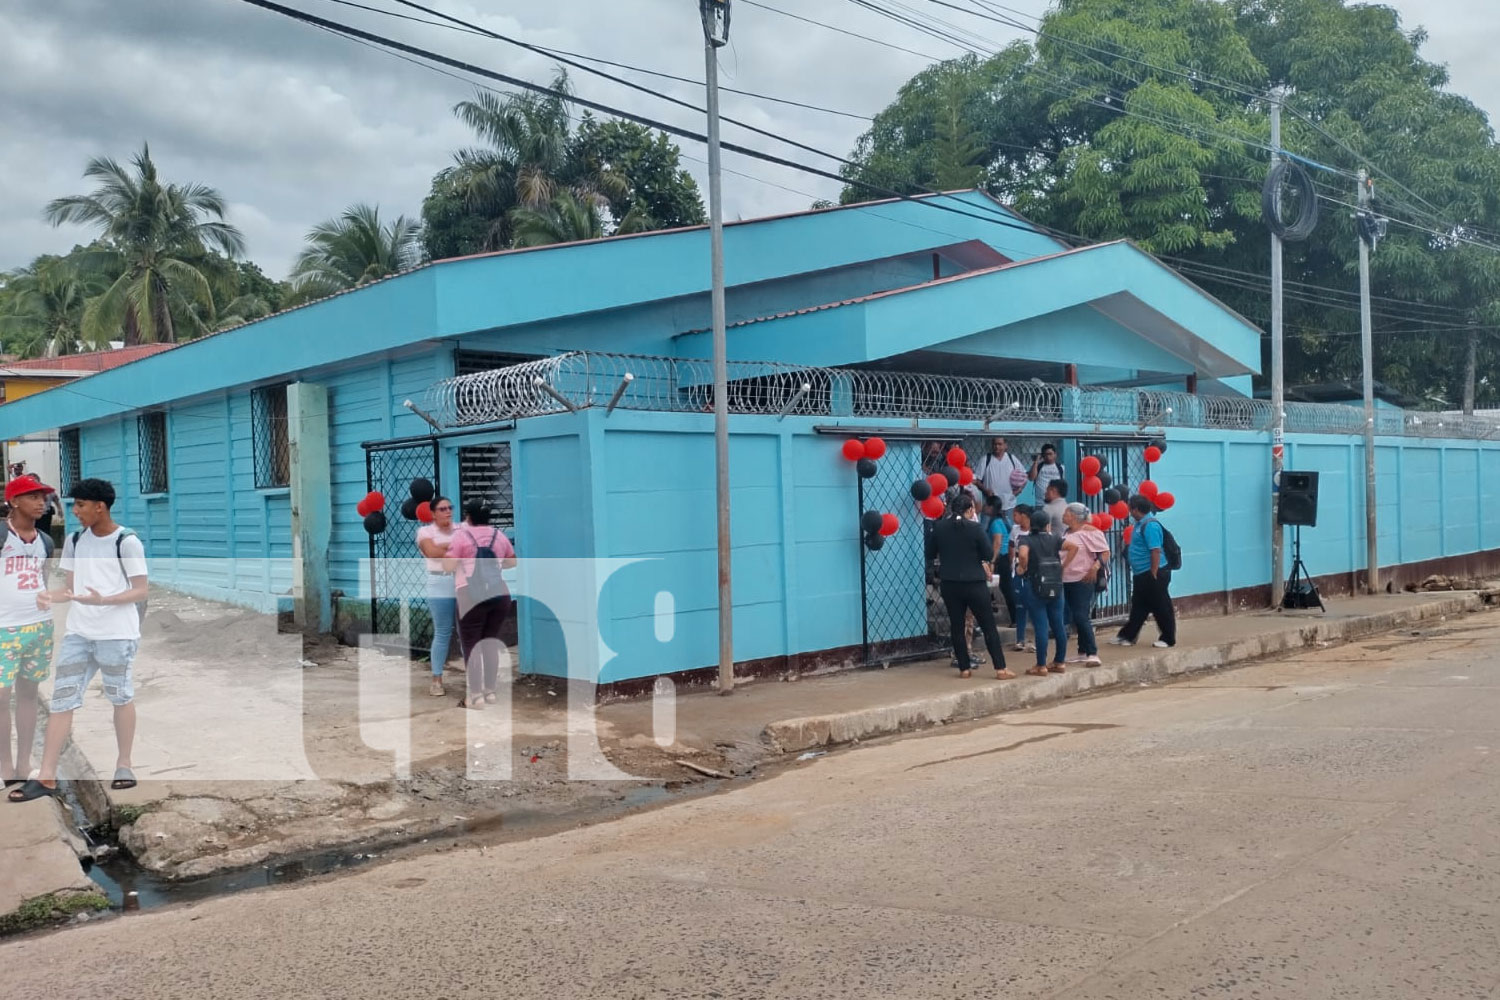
(477, 555)
(1038, 561)
(963, 554)
(1085, 554)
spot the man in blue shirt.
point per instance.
(1149, 596)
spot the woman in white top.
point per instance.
(433, 539)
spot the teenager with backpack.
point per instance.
(106, 585)
(477, 555)
(1039, 563)
(25, 621)
(1153, 556)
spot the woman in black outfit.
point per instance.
(963, 553)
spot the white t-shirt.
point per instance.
(96, 564)
(1044, 476)
(21, 580)
(995, 474)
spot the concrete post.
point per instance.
(312, 503)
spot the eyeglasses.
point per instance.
(443, 509)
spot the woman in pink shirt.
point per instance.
(433, 541)
(477, 554)
(1084, 551)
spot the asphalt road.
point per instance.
(1320, 827)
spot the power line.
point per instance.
(605, 62)
(842, 31)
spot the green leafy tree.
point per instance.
(568, 218)
(42, 307)
(354, 249)
(155, 236)
(1148, 119)
(658, 190)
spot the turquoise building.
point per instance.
(569, 385)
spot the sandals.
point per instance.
(436, 689)
(14, 781)
(964, 675)
(124, 778)
(1004, 675)
(1057, 668)
(31, 789)
(1037, 672)
(490, 697)
(472, 701)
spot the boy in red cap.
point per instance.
(25, 622)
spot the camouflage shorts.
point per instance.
(25, 653)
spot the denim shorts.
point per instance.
(79, 659)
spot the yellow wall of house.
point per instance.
(20, 388)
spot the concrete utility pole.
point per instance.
(1368, 231)
(1278, 378)
(715, 15)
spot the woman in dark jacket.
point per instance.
(958, 543)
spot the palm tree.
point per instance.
(353, 249)
(155, 235)
(42, 307)
(568, 218)
(525, 162)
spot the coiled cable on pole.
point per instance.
(1300, 228)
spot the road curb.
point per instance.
(1151, 667)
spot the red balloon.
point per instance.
(938, 482)
(1149, 488)
(932, 507)
(1129, 532)
(957, 458)
(1153, 455)
(1090, 466)
(375, 500)
(1092, 486)
(363, 508)
(1103, 522)
(854, 449)
(1164, 501)
(424, 512)
(965, 475)
(890, 524)
(1120, 511)
(874, 448)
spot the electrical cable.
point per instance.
(1306, 221)
(842, 31)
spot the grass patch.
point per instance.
(53, 908)
(126, 815)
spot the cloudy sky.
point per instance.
(292, 123)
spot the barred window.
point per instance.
(151, 432)
(268, 430)
(72, 460)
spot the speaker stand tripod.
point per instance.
(1300, 591)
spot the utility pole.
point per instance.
(1368, 230)
(1278, 377)
(715, 16)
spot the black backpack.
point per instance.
(486, 581)
(47, 544)
(140, 606)
(1044, 565)
(1170, 550)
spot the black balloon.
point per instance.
(375, 522)
(409, 509)
(1160, 444)
(951, 474)
(870, 521)
(921, 490)
(867, 468)
(1111, 497)
(421, 490)
(1105, 479)
(874, 542)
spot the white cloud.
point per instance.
(293, 124)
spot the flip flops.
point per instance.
(124, 778)
(31, 789)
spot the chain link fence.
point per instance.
(398, 585)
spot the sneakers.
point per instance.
(1093, 661)
(1117, 641)
(1162, 644)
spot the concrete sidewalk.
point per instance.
(841, 708)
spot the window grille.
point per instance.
(72, 460)
(268, 435)
(151, 432)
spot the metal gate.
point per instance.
(901, 615)
(1126, 463)
(398, 576)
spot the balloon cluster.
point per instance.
(418, 505)
(372, 509)
(928, 493)
(874, 526)
(877, 527)
(1096, 478)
